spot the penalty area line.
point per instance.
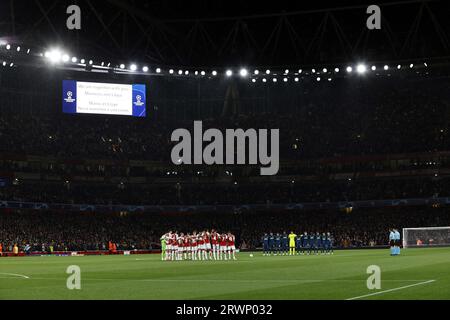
(390, 290)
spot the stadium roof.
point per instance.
(223, 33)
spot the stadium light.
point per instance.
(264, 80)
(28, 51)
(54, 55)
(158, 70)
(313, 70)
(91, 62)
(229, 73)
(399, 67)
(180, 72)
(386, 67)
(318, 79)
(4, 63)
(349, 69)
(267, 71)
(243, 72)
(411, 66)
(145, 69)
(84, 61)
(8, 46)
(11, 64)
(329, 79)
(256, 72)
(274, 80)
(336, 70)
(171, 71)
(65, 58)
(74, 59)
(286, 71)
(300, 71)
(361, 68)
(18, 49)
(253, 80)
(374, 68)
(324, 70)
(425, 64)
(296, 79)
(285, 79)
(214, 73)
(186, 72)
(203, 73)
(122, 66)
(133, 67)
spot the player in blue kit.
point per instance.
(311, 243)
(318, 243)
(328, 244)
(271, 243)
(298, 244)
(323, 240)
(265, 241)
(284, 244)
(305, 242)
(277, 244)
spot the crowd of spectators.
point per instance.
(232, 193)
(92, 231)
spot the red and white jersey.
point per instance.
(200, 240)
(206, 238)
(214, 239)
(230, 240)
(193, 241)
(174, 239)
(223, 241)
(186, 241)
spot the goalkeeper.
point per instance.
(163, 247)
(292, 237)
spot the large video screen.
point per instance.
(104, 98)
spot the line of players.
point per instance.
(198, 246)
(292, 244)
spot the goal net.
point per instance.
(426, 237)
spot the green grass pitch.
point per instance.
(416, 274)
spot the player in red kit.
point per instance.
(231, 246)
(215, 244)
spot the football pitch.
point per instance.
(416, 274)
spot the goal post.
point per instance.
(426, 237)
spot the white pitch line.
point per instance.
(15, 275)
(390, 290)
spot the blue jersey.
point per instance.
(271, 240)
(391, 236)
(396, 235)
(304, 239)
(277, 240)
(284, 240)
(266, 240)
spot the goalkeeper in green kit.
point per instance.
(163, 247)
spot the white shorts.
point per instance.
(232, 248)
(194, 248)
(169, 247)
(223, 248)
(215, 247)
(180, 249)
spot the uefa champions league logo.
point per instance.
(69, 98)
(139, 102)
